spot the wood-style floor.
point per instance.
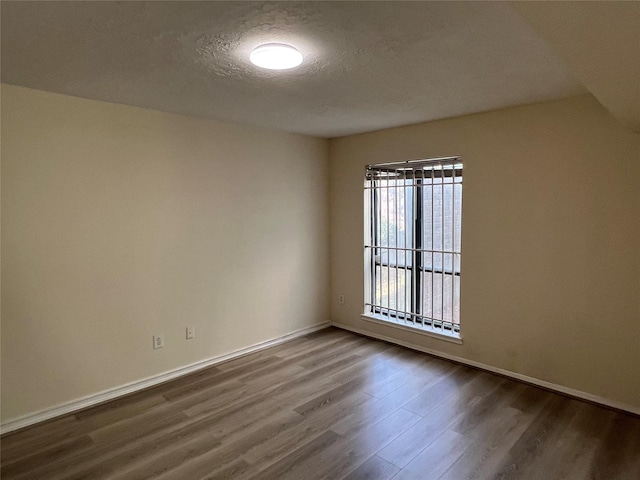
(332, 405)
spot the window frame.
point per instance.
(407, 318)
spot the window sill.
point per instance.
(428, 331)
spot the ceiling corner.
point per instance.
(600, 42)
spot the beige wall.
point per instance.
(119, 223)
(551, 240)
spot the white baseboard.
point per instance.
(507, 373)
(112, 393)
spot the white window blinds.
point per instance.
(412, 243)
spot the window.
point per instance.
(413, 220)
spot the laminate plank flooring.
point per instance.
(332, 405)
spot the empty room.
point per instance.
(320, 240)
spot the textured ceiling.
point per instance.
(369, 65)
(600, 41)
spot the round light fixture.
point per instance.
(276, 56)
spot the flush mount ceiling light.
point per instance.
(276, 56)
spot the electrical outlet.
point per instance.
(191, 332)
(341, 299)
(158, 341)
